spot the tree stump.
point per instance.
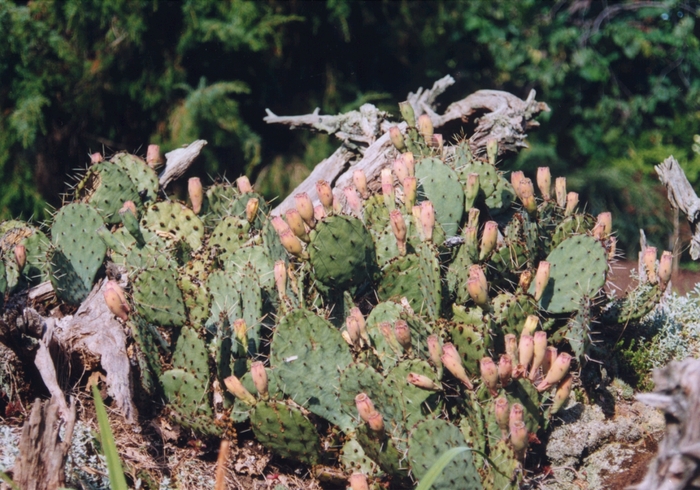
(677, 394)
(42, 453)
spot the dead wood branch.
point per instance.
(42, 453)
(507, 120)
(682, 196)
(677, 394)
(178, 161)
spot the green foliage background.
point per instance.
(78, 76)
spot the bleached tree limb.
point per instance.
(507, 120)
(178, 161)
(682, 196)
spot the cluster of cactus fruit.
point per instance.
(449, 310)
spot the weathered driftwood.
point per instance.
(682, 197)
(92, 334)
(507, 120)
(178, 161)
(677, 394)
(42, 453)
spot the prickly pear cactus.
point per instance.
(446, 312)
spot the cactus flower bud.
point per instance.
(116, 300)
(502, 412)
(526, 349)
(473, 217)
(398, 226)
(649, 260)
(437, 142)
(305, 207)
(515, 178)
(598, 231)
(478, 287)
(550, 354)
(291, 244)
(407, 113)
(423, 382)
(128, 206)
(471, 190)
(153, 157)
(505, 369)
(519, 439)
(489, 374)
(606, 220)
(400, 169)
(403, 334)
(364, 406)
(560, 190)
(410, 185)
(541, 279)
(353, 199)
(425, 128)
(527, 195)
(665, 266)
(325, 194)
(281, 278)
(360, 180)
(240, 330)
(525, 280)
(397, 138)
(358, 481)
(357, 314)
(296, 224)
(388, 188)
(244, 184)
(557, 371)
(544, 182)
(259, 375)
(319, 212)
(531, 323)
(410, 163)
(236, 388)
(96, 158)
(387, 332)
(470, 241)
(492, 150)
(279, 224)
(435, 350)
(489, 238)
(251, 209)
(20, 252)
(196, 193)
(539, 351)
(353, 328)
(375, 421)
(511, 343)
(561, 394)
(517, 413)
(453, 363)
(571, 203)
(427, 220)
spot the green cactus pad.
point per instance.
(187, 398)
(342, 253)
(37, 246)
(308, 354)
(510, 311)
(496, 192)
(473, 343)
(191, 355)
(411, 397)
(440, 185)
(229, 235)
(385, 451)
(354, 459)
(157, 297)
(175, 222)
(225, 300)
(107, 187)
(577, 270)
(82, 252)
(144, 177)
(361, 378)
(286, 431)
(257, 258)
(192, 282)
(387, 352)
(428, 441)
(147, 356)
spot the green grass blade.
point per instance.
(117, 479)
(8, 480)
